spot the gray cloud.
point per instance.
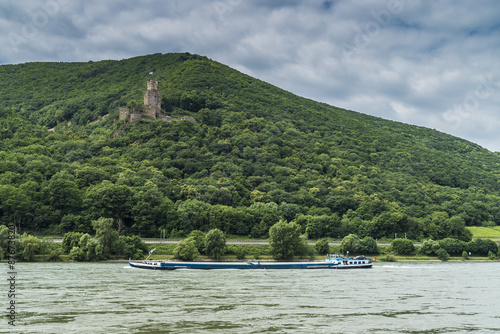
(430, 64)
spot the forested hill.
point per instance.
(256, 154)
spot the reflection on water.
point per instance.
(389, 298)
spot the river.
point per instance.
(431, 297)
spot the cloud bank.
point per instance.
(431, 64)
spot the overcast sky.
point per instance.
(429, 63)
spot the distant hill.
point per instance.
(255, 154)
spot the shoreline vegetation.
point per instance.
(285, 242)
(262, 252)
(251, 160)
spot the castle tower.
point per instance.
(152, 99)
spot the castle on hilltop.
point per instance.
(152, 104)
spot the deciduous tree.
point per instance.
(215, 244)
(284, 239)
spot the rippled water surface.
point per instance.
(389, 298)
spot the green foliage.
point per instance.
(132, 247)
(322, 247)
(350, 243)
(255, 155)
(442, 254)
(215, 244)
(429, 247)
(368, 245)
(240, 252)
(77, 254)
(452, 246)
(70, 240)
(485, 232)
(186, 250)
(199, 238)
(55, 255)
(4, 240)
(482, 247)
(389, 258)
(403, 246)
(106, 237)
(285, 241)
(30, 246)
(465, 255)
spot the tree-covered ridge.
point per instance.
(255, 155)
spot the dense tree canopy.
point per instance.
(254, 156)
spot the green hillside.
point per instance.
(256, 154)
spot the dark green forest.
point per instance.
(256, 154)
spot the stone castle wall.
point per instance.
(152, 104)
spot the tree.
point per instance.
(265, 214)
(62, 193)
(316, 227)
(70, 240)
(132, 247)
(150, 208)
(215, 244)
(322, 247)
(133, 105)
(284, 239)
(186, 250)
(199, 238)
(193, 214)
(14, 201)
(289, 211)
(350, 243)
(4, 239)
(403, 246)
(106, 236)
(368, 245)
(30, 246)
(108, 200)
(71, 222)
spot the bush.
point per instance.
(321, 246)
(240, 252)
(453, 246)
(442, 254)
(429, 247)
(77, 254)
(482, 247)
(389, 258)
(465, 255)
(491, 255)
(403, 246)
(55, 255)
